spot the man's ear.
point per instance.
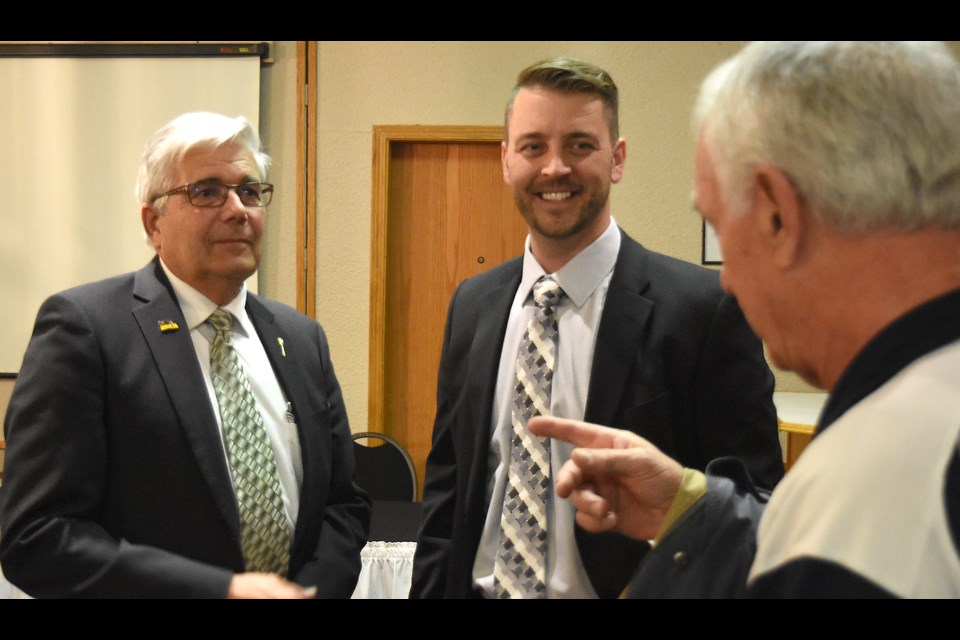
(619, 160)
(780, 215)
(503, 162)
(150, 217)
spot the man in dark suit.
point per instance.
(121, 467)
(645, 341)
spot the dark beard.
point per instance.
(588, 214)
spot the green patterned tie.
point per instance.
(264, 533)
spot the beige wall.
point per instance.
(362, 84)
(278, 126)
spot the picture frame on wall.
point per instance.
(711, 245)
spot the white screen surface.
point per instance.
(72, 132)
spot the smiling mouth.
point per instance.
(234, 242)
(557, 196)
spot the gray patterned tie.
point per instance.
(264, 533)
(520, 570)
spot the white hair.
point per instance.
(167, 147)
(867, 132)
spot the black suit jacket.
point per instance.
(674, 361)
(116, 484)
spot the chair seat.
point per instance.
(395, 520)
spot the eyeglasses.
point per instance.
(213, 193)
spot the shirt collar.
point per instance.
(196, 307)
(920, 331)
(580, 277)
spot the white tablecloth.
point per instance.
(386, 570)
(385, 573)
(10, 592)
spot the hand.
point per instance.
(616, 480)
(266, 585)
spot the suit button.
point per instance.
(680, 559)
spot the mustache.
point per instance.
(555, 185)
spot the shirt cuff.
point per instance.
(693, 486)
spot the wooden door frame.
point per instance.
(306, 240)
(383, 136)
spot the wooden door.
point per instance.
(447, 216)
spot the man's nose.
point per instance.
(555, 165)
(233, 207)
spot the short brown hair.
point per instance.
(567, 75)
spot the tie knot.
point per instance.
(546, 292)
(222, 321)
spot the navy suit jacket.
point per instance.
(116, 483)
(674, 362)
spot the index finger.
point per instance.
(576, 432)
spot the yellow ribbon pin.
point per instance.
(167, 326)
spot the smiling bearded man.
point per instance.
(609, 332)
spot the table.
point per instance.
(385, 571)
(387, 559)
(797, 416)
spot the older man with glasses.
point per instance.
(170, 433)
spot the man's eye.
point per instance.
(249, 191)
(207, 190)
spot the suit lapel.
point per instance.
(275, 342)
(625, 315)
(484, 364)
(176, 361)
(285, 360)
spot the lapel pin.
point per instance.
(283, 351)
(167, 326)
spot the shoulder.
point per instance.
(279, 309)
(494, 288)
(493, 277)
(843, 504)
(106, 288)
(665, 277)
(98, 299)
(288, 317)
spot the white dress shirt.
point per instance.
(584, 280)
(280, 425)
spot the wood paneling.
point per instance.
(307, 178)
(447, 216)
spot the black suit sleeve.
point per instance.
(434, 540)
(708, 552)
(734, 386)
(335, 565)
(52, 502)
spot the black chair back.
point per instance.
(384, 468)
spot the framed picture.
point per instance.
(711, 246)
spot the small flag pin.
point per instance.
(167, 326)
